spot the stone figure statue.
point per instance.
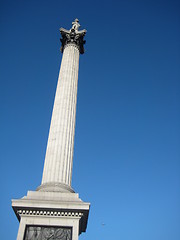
(75, 25)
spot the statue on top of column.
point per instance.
(75, 25)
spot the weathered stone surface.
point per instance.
(59, 153)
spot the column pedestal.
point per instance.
(60, 215)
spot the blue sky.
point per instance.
(127, 141)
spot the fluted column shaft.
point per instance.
(59, 154)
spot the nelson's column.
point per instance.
(54, 210)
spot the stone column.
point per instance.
(57, 172)
(55, 211)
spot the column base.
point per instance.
(45, 214)
(55, 187)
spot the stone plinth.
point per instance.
(51, 210)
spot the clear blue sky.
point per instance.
(127, 142)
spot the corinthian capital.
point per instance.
(73, 36)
